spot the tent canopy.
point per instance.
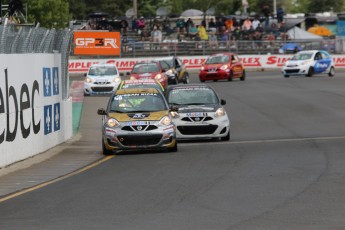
(298, 33)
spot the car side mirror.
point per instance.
(173, 108)
(223, 102)
(128, 73)
(121, 75)
(101, 111)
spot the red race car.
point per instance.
(222, 66)
(153, 70)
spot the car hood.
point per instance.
(103, 78)
(147, 116)
(197, 108)
(213, 66)
(297, 62)
(144, 75)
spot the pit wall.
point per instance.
(194, 62)
(33, 115)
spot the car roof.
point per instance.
(140, 81)
(103, 64)
(195, 85)
(136, 90)
(221, 54)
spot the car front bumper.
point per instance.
(219, 74)
(91, 88)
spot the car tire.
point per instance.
(215, 80)
(286, 75)
(201, 80)
(106, 151)
(86, 95)
(231, 76)
(226, 138)
(310, 72)
(331, 72)
(173, 149)
(243, 76)
(186, 78)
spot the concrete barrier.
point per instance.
(33, 115)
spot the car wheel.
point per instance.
(202, 80)
(86, 94)
(226, 138)
(331, 72)
(106, 151)
(186, 78)
(231, 76)
(215, 80)
(243, 76)
(176, 80)
(310, 72)
(173, 149)
(286, 75)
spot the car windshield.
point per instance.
(192, 95)
(302, 56)
(141, 85)
(217, 59)
(146, 68)
(138, 102)
(102, 71)
(169, 62)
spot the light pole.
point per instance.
(135, 9)
(274, 8)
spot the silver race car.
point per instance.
(200, 115)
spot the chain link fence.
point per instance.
(16, 39)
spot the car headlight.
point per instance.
(132, 78)
(88, 80)
(112, 122)
(166, 120)
(220, 112)
(117, 80)
(158, 76)
(174, 114)
(224, 67)
(202, 68)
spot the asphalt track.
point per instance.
(282, 169)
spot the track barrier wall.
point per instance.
(193, 62)
(34, 115)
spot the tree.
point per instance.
(317, 6)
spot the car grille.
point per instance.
(102, 89)
(197, 130)
(196, 119)
(102, 83)
(139, 128)
(212, 70)
(291, 70)
(130, 140)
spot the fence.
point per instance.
(16, 39)
(201, 48)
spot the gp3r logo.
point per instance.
(51, 87)
(91, 42)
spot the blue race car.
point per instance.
(308, 63)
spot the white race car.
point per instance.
(200, 114)
(308, 63)
(101, 79)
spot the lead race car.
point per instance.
(308, 63)
(137, 119)
(200, 115)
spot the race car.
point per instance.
(200, 115)
(175, 70)
(101, 79)
(308, 63)
(149, 70)
(145, 83)
(137, 119)
(222, 66)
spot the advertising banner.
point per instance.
(97, 43)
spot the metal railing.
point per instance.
(28, 39)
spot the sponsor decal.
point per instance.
(196, 114)
(251, 61)
(133, 123)
(277, 61)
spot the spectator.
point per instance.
(189, 23)
(124, 26)
(145, 35)
(236, 35)
(274, 29)
(213, 42)
(255, 23)
(135, 26)
(219, 25)
(266, 12)
(235, 23)
(283, 30)
(193, 31)
(225, 37)
(211, 24)
(259, 28)
(202, 33)
(228, 24)
(280, 14)
(156, 36)
(141, 24)
(180, 25)
(246, 24)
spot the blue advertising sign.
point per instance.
(47, 82)
(55, 80)
(56, 116)
(48, 119)
(341, 27)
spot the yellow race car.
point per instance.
(137, 119)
